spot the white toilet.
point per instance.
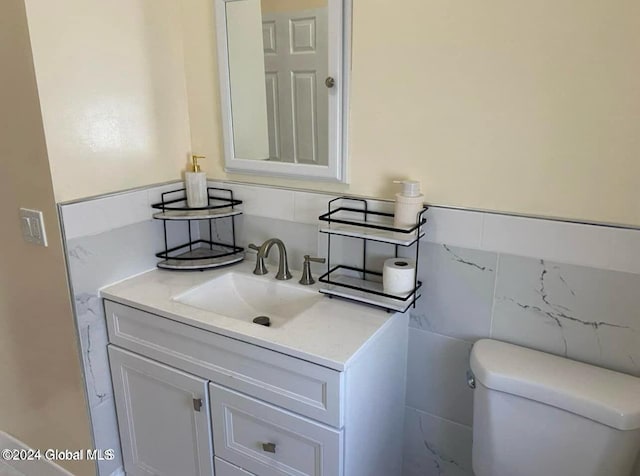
(536, 414)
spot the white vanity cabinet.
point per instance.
(191, 402)
(163, 415)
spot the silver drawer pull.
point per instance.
(269, 447)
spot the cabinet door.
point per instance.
(163, 415)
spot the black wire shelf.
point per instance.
(343, 278)
(362, 284)
(210, 249)
(196, 253)
(200, 254)
(365, 218)
(179, 204)
(371, 225)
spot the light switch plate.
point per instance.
(33, 227)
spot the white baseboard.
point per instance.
(30, 468)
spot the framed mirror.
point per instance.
(284, 86)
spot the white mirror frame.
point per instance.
(340, 12)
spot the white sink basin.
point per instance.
(244, 296)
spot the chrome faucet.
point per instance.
(263, 252)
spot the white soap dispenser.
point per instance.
(409, 204)
(196, 185)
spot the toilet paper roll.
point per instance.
(398, 276)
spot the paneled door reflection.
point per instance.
(296, 65)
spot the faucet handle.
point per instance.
(260, 268)
(306, 278)
(308, 258)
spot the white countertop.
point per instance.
(329, 333)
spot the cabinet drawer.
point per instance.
(298, 385)
(270, 441)
(223, 468)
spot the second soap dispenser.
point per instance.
(409, 203)
(196, 184)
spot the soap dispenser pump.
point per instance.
(409, 204)
(196, 184)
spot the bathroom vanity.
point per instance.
(201, 389)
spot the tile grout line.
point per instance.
(482, 223)
(468, 427)
(439, 334)
(493, 296)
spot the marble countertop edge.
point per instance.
(332, 333)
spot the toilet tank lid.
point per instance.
(608, 397)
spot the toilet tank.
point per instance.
(539, 414)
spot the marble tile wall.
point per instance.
(299, 238)
(435, 446)
(107, 240)
(584, 313)
(562, 287)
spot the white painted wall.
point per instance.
(528, 107)
(112, 91)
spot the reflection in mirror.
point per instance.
(282, 86)
(301, 103)
(278, 63)
(246, 76)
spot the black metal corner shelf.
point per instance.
(360, 283)
(198, 254)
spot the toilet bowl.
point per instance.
(537, 414)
